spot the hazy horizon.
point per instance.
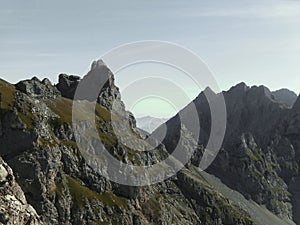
(251, 41)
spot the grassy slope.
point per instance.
(8, 92)
(81, 193)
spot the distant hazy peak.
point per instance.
(149, 124)
(285, 96)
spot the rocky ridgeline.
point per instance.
(260, 153)
(38, 143)
(285, 96)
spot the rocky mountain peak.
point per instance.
(97, 64)
(206, 94)
(248, 108)
(99, 80)
(241, 87)
(209, 90)
(261, 92)
(242, 91)
(285, 96)
(38, 89)
(67, 85)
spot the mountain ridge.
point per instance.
(37, 141)
(251, 159)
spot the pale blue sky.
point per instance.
(252, 41)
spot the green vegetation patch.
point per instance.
(27, 116)
(152, 208)
(81, 193)
(7, 91)
(256, 155)
(63, 107)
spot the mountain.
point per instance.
(148, 123)
(285, 96)
(48, 177)
(259, 157)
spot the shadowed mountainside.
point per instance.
(260, 153)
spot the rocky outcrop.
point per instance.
(37, 88)
(14, 208)
(99, 79)
(109, 96)
(67, 85)
(249, 108)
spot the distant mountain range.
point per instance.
(148, 123)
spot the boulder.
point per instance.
(67, 85)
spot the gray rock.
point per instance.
(67, 85)
(37, 88)
(3, 174)
(14, 208)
